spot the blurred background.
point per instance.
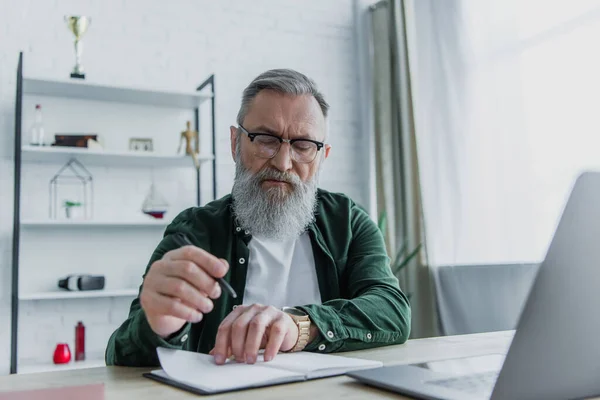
(460, 125)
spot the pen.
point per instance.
(182, 240)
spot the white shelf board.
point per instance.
(50, 154)
(48, 223)
(89, 91)
(84, 294)
(29, 368)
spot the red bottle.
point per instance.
(79, 342)
(62, 354)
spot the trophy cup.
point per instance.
(78, 25)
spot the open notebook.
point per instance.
(198, 373)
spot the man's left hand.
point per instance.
(248, 329)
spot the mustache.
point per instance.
(274, 174)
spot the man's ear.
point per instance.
(233, 138)
(327, 150)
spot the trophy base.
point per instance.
(77, 76)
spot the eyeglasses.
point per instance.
(267, 146)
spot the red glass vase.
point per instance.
(62, 354)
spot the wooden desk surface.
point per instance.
(122, 383)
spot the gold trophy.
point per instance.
(78, 25)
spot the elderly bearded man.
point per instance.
(309, 266)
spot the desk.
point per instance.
(122, 383)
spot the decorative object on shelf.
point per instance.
(141, 144)
(82, 282)
(79, 341)
(68, 140)
(155, 204)
(37, 129)
(62, 354)
(95, 145)
(74, 179)
(70, 206)
(189, 135)
(78, 25)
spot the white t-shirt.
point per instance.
(281, 273)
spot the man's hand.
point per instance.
(250, 328)
(179, 288)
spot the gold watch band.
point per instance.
(303, 335)
(302, 321)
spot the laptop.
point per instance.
(555, 352)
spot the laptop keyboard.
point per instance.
(476, 383)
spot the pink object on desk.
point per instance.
(87, 392)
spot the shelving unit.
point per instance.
(86, 91)
(91, 224)
(88, 294)
(51, 367)
(107, 158)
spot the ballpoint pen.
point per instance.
(182, 240)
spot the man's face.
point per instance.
(286, 116)
(276, 197)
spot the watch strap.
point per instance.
(303, 335)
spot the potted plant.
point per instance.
(404, 255)
(71, 207)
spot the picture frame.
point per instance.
(141, 144)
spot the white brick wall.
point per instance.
(170, 46)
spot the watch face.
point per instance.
(295, 311)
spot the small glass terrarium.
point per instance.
(71, 192)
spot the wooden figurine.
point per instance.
(189, 135)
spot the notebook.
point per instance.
(198, 373)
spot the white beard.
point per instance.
(274, 213)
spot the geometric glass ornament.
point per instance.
(72, 191)
(155, 203)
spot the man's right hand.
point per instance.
(179, 288)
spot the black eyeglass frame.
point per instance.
(253, 135)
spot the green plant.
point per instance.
(404, 255)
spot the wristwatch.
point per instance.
(302, 320)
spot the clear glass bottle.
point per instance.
(37, 130)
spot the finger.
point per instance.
(277, 333)
(165, 305)
(256, 332)
(194, 275)
(214, 266)
(239, 331)
(180, 289)
(222, 341)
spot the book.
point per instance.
(198, 373)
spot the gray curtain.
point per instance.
(396, 167)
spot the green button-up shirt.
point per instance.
(362, 304)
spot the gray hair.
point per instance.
(286, 81)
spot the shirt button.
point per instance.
(329, 334)
(184, 338)
(321, 347)
(369, 336)
(242, 260)
(238, 229)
